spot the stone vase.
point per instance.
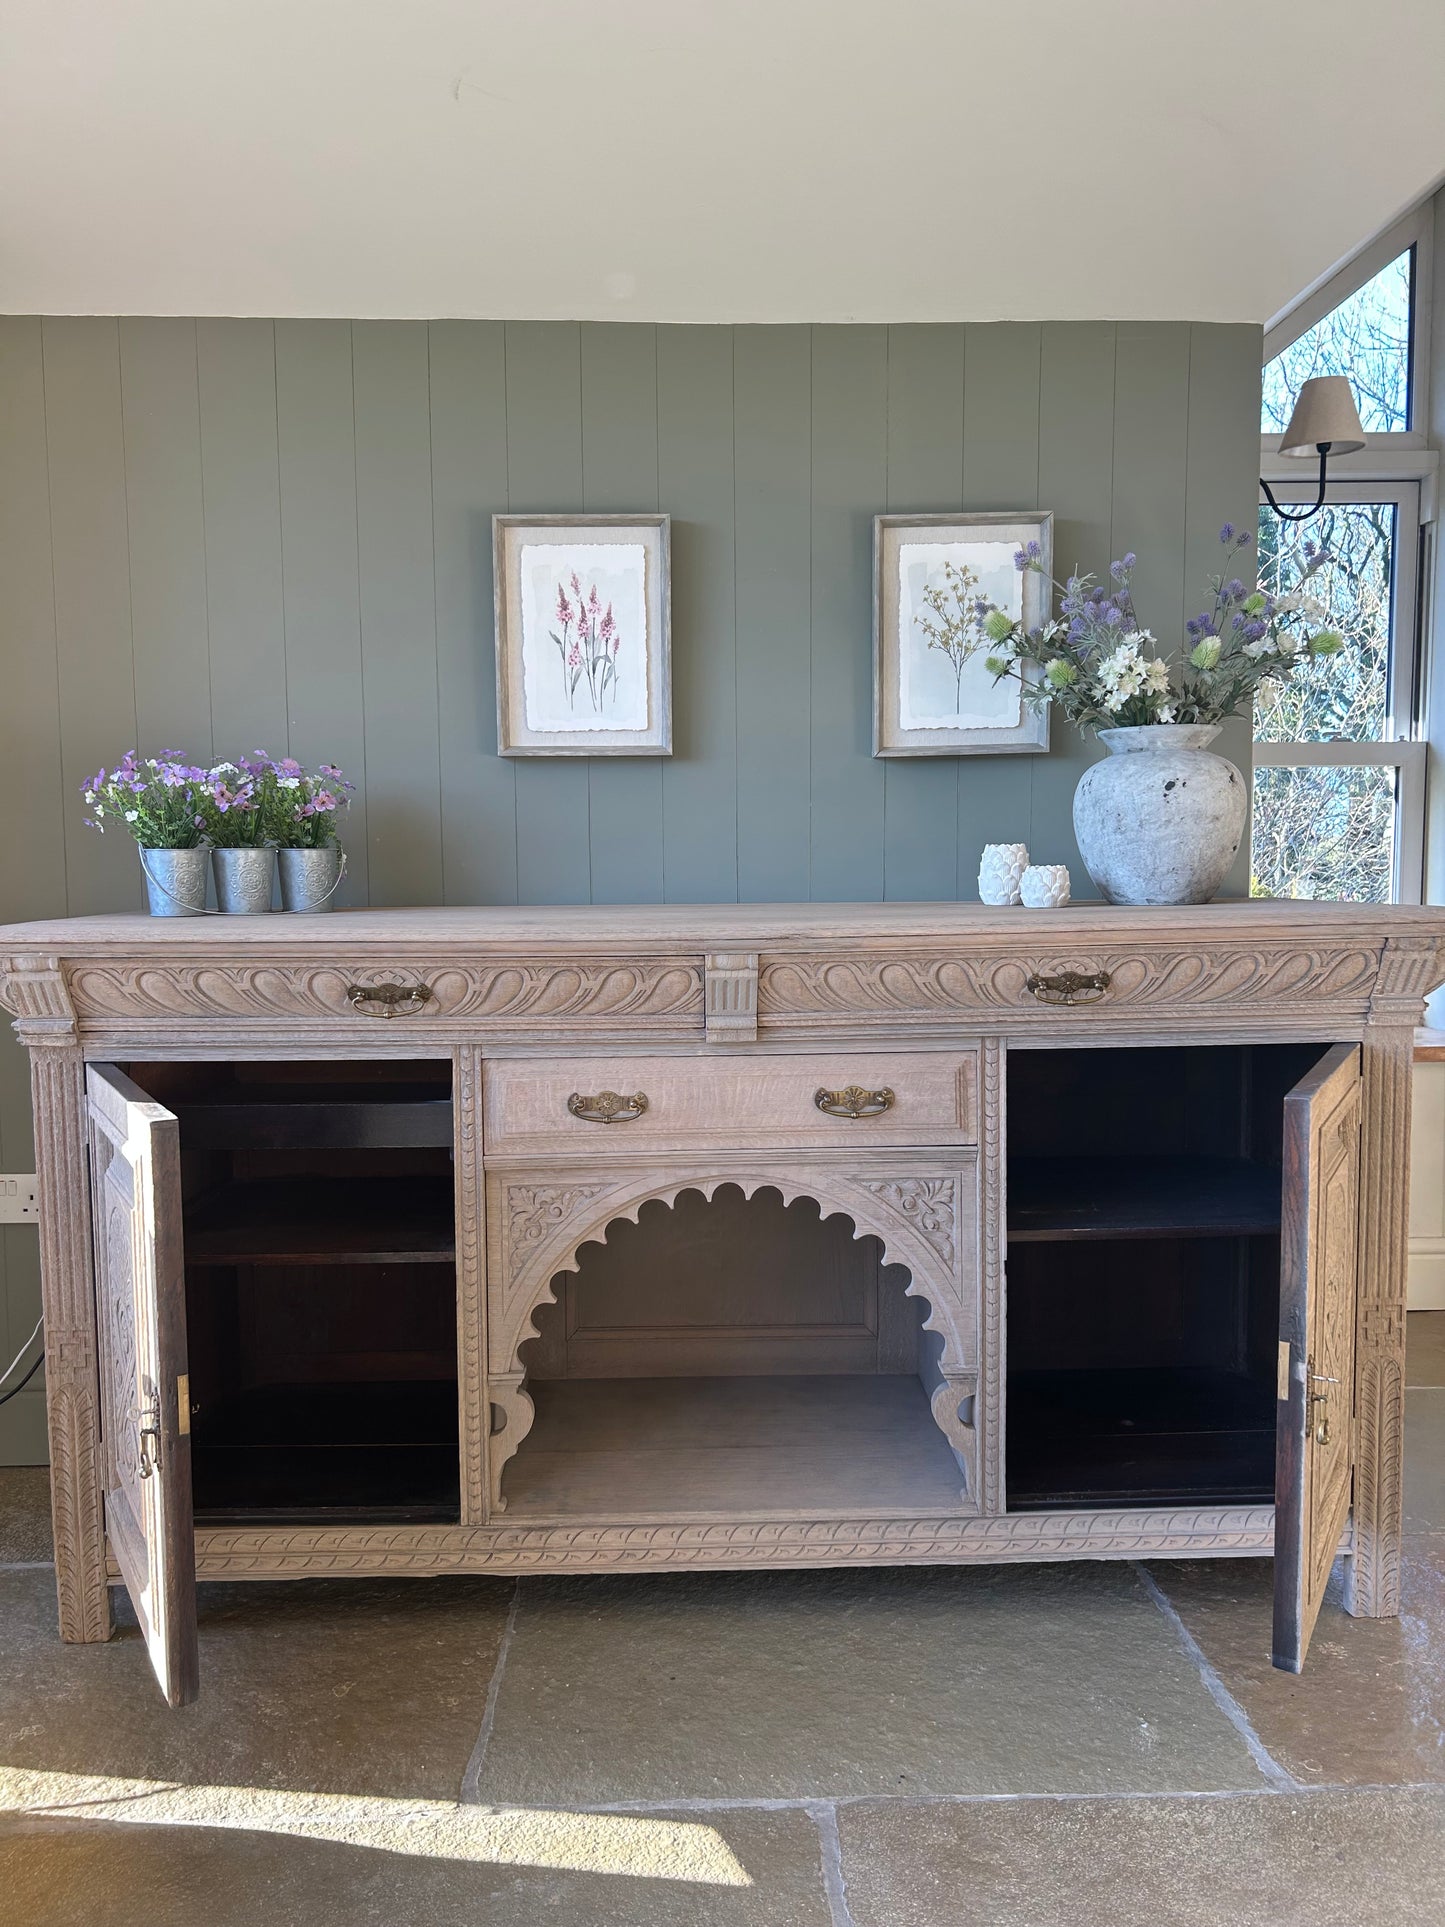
(176, 881)
(309, 877)
(1160, 820)
(243, 879)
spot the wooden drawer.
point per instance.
(923, 1098)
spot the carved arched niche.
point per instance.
(925, 1223)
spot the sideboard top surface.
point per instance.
(713, 926)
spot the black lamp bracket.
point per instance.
(1304, 514)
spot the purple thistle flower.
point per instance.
(1021, 561)
(1034, 551)
(1226, 534)
(1234, 589)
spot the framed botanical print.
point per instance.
(934, 577)
(583, 611)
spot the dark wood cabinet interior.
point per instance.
(320, 1246)
(1144, 1208)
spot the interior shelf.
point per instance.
(686, 1448)
(1140, 1197)
(323, 1221)
(1142, 1436)
(348, 1450)
(278, 1117)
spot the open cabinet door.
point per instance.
(145, 1394)
(1319, 1263)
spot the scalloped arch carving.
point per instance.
(925, 1221)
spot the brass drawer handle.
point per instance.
(854, 1102)
(394, 1000)
(608, 1107)
(1069, 987)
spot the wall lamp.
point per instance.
(1325, 422)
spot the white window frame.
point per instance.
(1398, 466)
(1415, 229)
(1400, 750)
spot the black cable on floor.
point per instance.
(5, 1397)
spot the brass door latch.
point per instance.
(1322, 1400)
(149, 1456)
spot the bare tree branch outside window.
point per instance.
(1367, 339)
(1327, 831)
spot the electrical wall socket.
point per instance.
(18, 1201)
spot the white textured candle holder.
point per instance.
(1044, 886)
(999, 872)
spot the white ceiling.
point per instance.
(705, 160)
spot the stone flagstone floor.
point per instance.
(1093, 1745)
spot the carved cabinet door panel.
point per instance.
(1319, 1265)
(145, 1397)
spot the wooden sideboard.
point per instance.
(655, 1238)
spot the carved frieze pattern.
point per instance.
(471, 1281)
(1374, 1572)
(827, 1542)
(537, 992)
(901, 985)
(57, 1081)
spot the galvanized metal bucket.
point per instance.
(243, 880)
(175, 881)
(309, 878)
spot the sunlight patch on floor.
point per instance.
(636, 1846)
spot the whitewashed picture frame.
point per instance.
(583, 630)
(925, 702)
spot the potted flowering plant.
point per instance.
(157, 800)
(304, 805)
(235, 809)
(1161, 819)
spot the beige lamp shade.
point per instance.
(1325, 413)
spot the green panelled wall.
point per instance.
(224, 535)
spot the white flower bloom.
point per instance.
(131, 815)
(1166, 712)
(1254, 650)
(1156, 675)
(1139, 639)
(1285, 604)
(90, 796)
(288, 782)
(225, 769)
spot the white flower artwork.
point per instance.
(947, 685)
(938, 581)
(584, 635)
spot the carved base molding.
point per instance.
(1201, 1532)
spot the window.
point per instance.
(1367, 338)
(1339, 779)
(1338, 785)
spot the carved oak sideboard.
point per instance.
(686, 1237)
